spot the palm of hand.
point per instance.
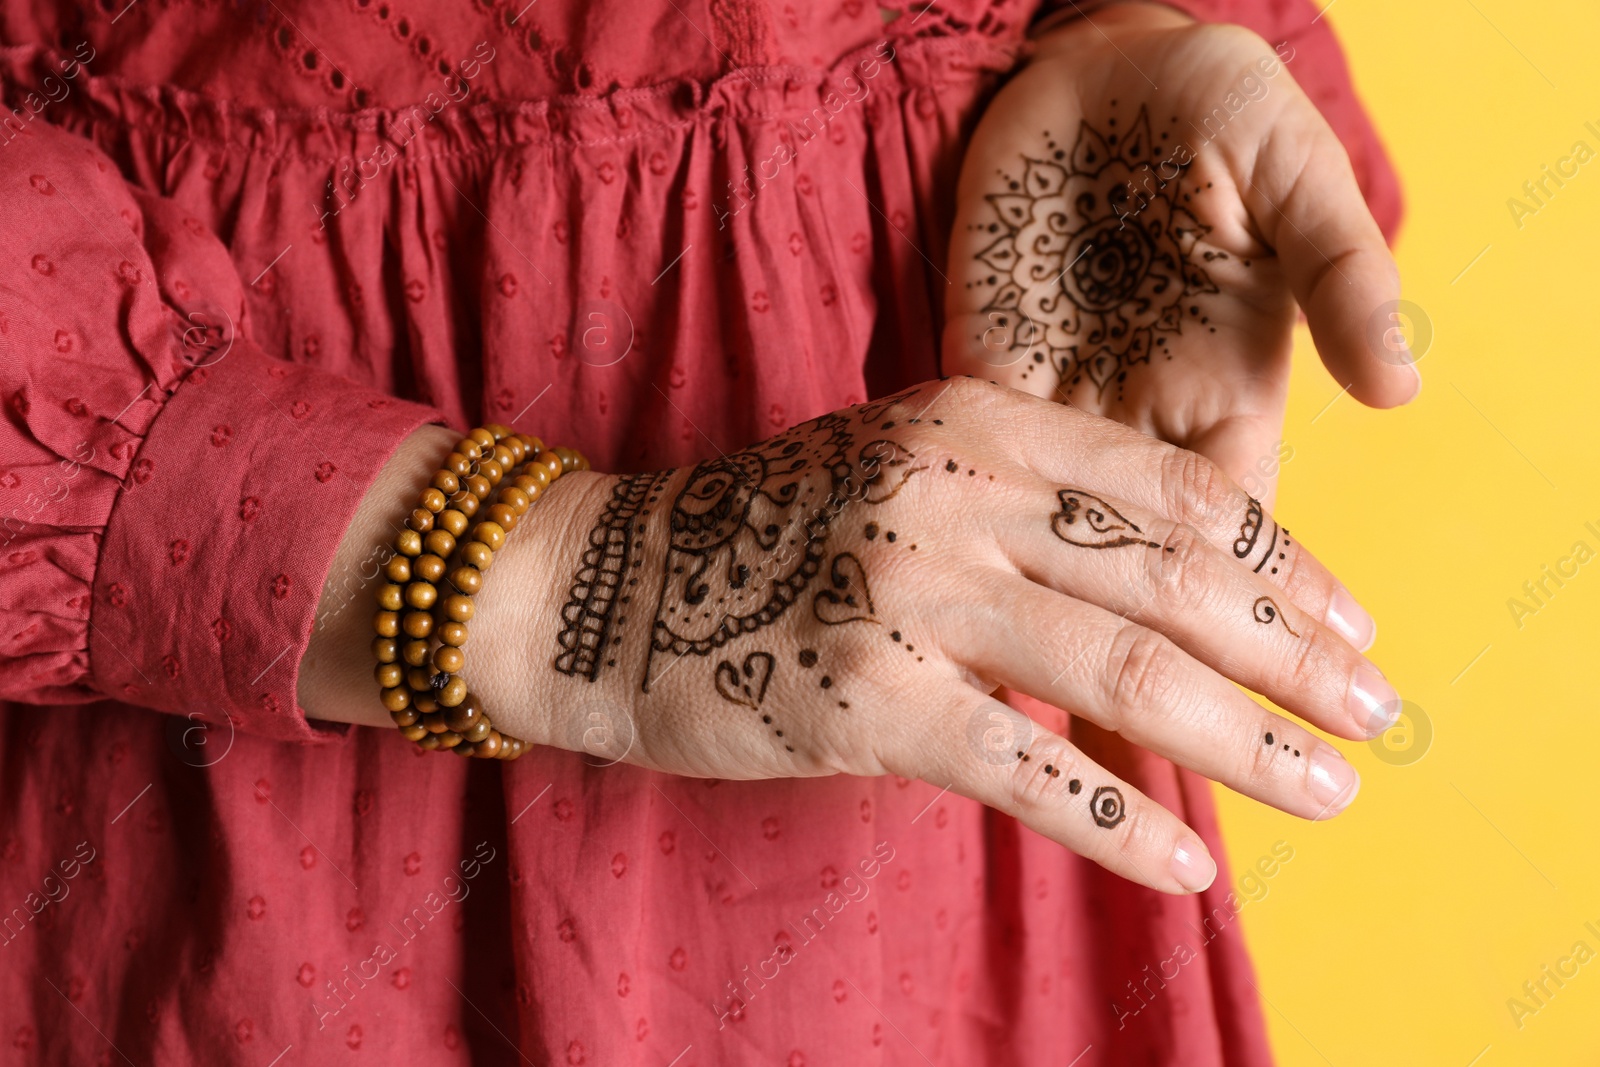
(1118, 246)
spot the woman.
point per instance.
(258, 256)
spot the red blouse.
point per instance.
(245, 249)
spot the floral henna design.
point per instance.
(1092, 258)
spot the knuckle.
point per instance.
(1182, 577)
(1307, 664)
(1143, 674)
(1042, 775)
(1193, 487)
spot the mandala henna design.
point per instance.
(1265, 610)
(1088, 521)
(1107, 806)
(589, 627)
(1093, 256)
(748, 532)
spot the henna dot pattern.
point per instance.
(1094, 256)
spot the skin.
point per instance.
(1273, 188)
(1008, 585)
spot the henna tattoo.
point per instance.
(1244, 545)
(750, 689)
(1107, 806)
(747, 685)
(1088, 521)
(1092, 257)
(850, 600)
(1265, 610)
(748, 533)
(1249, 530)
(590, 628)
(1285, 747)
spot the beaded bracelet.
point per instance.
(417, 625)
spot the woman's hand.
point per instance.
(1139, 211)
(844, 597)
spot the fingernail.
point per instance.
(1374, 704)
(1417, 374)
(1193, 866)
(1351, 620)
(1333, 781)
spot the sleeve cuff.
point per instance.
(220, 540)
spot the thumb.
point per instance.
(1304, 199)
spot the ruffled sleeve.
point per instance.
(170, 497)
(1314, 57)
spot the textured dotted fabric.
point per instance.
(245, 249)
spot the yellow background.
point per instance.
(1399, 931)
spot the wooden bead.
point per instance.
(533, 444)
(445, 481)
(530, 487)
(386, 624)
(396, 700)
(417, 623)
(549, 461)
(513, 444)
(447, 659)
(458, 607)
(477, 554)
(389, 675)
(489, 747)
(465, 748)
(515, 499)
(428, 741)
(414, 653)
(405, 716)
(433, 500)
(440, 542)
(448, 739)
(469, 448)
(451, 522)
(483, 437)
(398, 569)
(491, 533)
(503, 516)
(408, 543)
(420, 520)
(477, 730)
(424, 702)
(453, 633)
(504, 456)
(453, 693)
(478, 486)
(491, 470)
(499, 429)
(468, 580)
(465, 715)
(415, 732)
(569, 460)
(430, 566)
(422, 595)
(465, 503)
(536, 474)
(385, 649)
(421, 679)
(457, 464)
(391, 597)
(434, 721)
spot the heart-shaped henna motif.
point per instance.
(750, 689)
(850, 600)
